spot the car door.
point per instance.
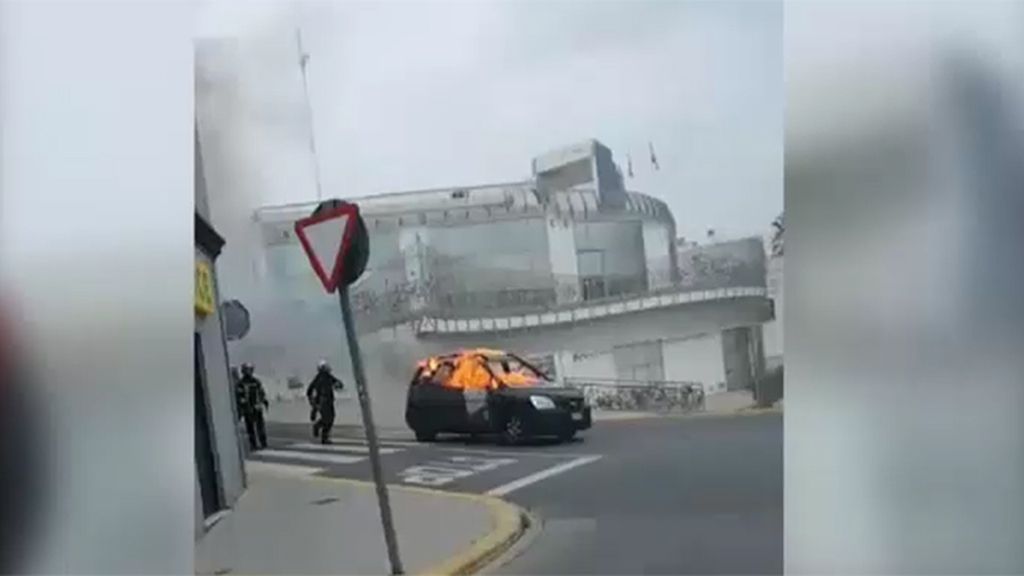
(476, 409)
(474, 382)
(439, 402)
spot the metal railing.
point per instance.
(578, 311)
(445, 290)
(488, 292)
(640, 395)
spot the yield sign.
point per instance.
(326, 236)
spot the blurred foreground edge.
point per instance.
(22, 456)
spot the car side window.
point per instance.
(443, 375)
(471, 374)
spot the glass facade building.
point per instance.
(568, 238)
(497, 248)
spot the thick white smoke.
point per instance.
(254, 135)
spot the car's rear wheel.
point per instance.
(513, 430)
(425, 435)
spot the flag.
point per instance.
(654, 159)
(629, 165)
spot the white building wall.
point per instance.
(640, 362)
(585, 365)
(657, 240)
(562, 253)
(621, 241)
(695, 359)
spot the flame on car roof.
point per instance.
(467, 373)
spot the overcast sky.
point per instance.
(419, 95)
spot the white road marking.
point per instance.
(321, 457)
(351, 448)
(439, 473)
(352, 442)
(542, 475)
(559, 455)
(432, 475)
(278, 469)
(380, 441)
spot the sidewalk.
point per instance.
(287, 524)
(725, 402)
(739, 402)
(613, 415)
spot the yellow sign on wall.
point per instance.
(205, 301)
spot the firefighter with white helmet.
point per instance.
(321, 400)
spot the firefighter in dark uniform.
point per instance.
(252, 401)
(321, 399)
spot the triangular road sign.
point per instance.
(326, 237)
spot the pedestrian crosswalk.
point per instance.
(319, 457)
(293, 458)
(347, 448)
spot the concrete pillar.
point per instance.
(562, 256)
(757, 359)
(657, 255)
(412, 243)
(736, 359)
(743, 357)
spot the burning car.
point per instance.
(485, 391)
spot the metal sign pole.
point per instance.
(371, 432)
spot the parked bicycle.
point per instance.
(660, 397)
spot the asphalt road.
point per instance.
(452, 463)
(672, 496)
(663, 495)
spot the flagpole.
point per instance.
(303, 59)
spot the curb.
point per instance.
(533, 527)
(613, 417)
(753, 410)
(509, 523)
(746, 411)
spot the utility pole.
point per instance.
(303, 60)
(338, 256)
(383, 502)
